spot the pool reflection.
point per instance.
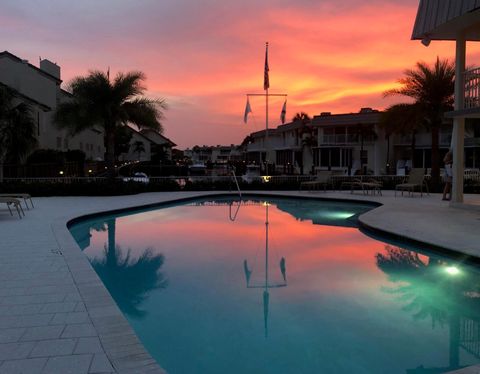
(353, 303)
(129, 279)
(428, 288)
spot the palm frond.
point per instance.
(145, 113)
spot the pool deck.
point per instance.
(56, 316)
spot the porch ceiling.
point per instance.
(446, 19)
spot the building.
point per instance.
(147, 145)
(219, 154)
(352, 142)
(459, 21)
(41, 88)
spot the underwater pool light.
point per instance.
(452, 270)
(338, 215)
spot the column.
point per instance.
(458, 122)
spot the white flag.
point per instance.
(247, 110)
(284, 112)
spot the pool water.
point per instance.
(282, 286)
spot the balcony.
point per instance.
(345, 139)
(472, 88)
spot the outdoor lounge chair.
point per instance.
(368, 185)
(416, 179)
(323, 179)
(24, 196)
(16, 204)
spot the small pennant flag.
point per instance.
(284, 112)
(248, 109)
(266, 79)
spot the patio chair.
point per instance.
(24, 196)
(323, 179)
(416, 179)
(365, 185)
(16, 204)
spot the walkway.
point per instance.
(57, 317)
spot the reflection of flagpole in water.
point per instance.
(266, 286)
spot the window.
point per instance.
(334, 157)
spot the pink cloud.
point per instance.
(203, 57)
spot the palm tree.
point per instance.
(403, 119)
(432, 89)
(361, 132)
(17, 128)
(130, 280)
(428, 292)
(301, 116)
(97, 101)
(306, 134)
(138, 148)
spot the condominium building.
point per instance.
(41, 88)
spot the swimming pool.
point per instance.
(277, 285)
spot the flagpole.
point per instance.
(266, 86)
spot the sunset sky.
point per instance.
(204, 56)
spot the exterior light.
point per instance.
(60, 172)
(266, 178)
(452, 270)
(90, 170)
(426, 40)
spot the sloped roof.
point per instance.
(147, 132)
(37, 69)
(444, 19)
(44, 107)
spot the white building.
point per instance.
(459, 21)
(41, 88)
(352, 142)
(153, 143)
(219, 154)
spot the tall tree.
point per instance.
(403, 119)
(98, 101)
(432, 89)
(17, 128)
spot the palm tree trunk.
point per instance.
(1, 171)
(111, 246)
(413, 145)
(110, 153)
(387, 168)
(435, 155)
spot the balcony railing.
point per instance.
(345, 139)
(472, 88)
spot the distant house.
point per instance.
(155, 146)
(459, 21)
(41, 88)
(219, 154)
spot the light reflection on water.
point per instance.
(195, 286)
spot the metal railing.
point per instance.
(471, 176)
(472, 88)
(345, 139)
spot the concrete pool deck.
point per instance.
(56, 316)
